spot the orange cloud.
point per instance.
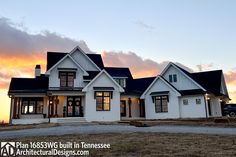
(230, 77)
(139, 67)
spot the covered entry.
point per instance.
(74, 106)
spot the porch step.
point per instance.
(69, 120)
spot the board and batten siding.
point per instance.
(183, 82)
(192, 109)
(173, 105)
(54, 80)
(85, 63)
(90, 108)
(215, 106)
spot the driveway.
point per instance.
(98, 129)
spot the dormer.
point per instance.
(121, 81)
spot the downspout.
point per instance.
(205, 106)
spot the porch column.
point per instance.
(129, 103)
(15, 107)
(56, 105)
(18, 107)
(11, 110)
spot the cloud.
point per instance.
(144, 25)
(139, 67)
(204, 67)
(230, 77)
(20, 51)
(15, 41)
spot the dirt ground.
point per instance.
(152, 144)
(220, 122)
(7, 127)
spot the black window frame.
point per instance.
(161, 98)
(28, 100)
(120, 81)
(67, 75)
(170, 78)
(198, 101)
(174, 78)
(103, 96)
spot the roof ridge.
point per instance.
(207, 71)
(118, 67)
(144, 78)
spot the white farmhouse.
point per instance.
(77, 87)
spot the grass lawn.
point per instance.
(151, 144)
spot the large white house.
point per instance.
(77, 87)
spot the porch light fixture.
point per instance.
(208, 98)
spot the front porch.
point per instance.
(29, 109)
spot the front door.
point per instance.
(123, 108)
(74, 107)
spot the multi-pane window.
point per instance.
(67, 79)
(103, 101)
(121, 81)
(161, 104)
(32, 106)
(173, 78)
(185, 101)
(198, 101)
(170, 78)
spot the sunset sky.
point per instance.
(143, 35)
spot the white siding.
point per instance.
(90, 108)
(173, 105)
(54, 80)
(192, 110)
(183, 82)
(215, 107)
(84, 61)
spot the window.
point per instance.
(198, 101)
(32, 106)
(161, 104)
(67, 79)
(175, 78)
(185, 101)
(170, 78)
(121, 82)
(103, 101)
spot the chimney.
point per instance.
(37, 71)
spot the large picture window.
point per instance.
(103, 100)
(32, 106)
(161, 104)
(67, 79)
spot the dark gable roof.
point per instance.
(29, 85)
(97, 59)
(138, 86)
(119, 72)
(209, 80)
(92, 74)
(54, 57)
